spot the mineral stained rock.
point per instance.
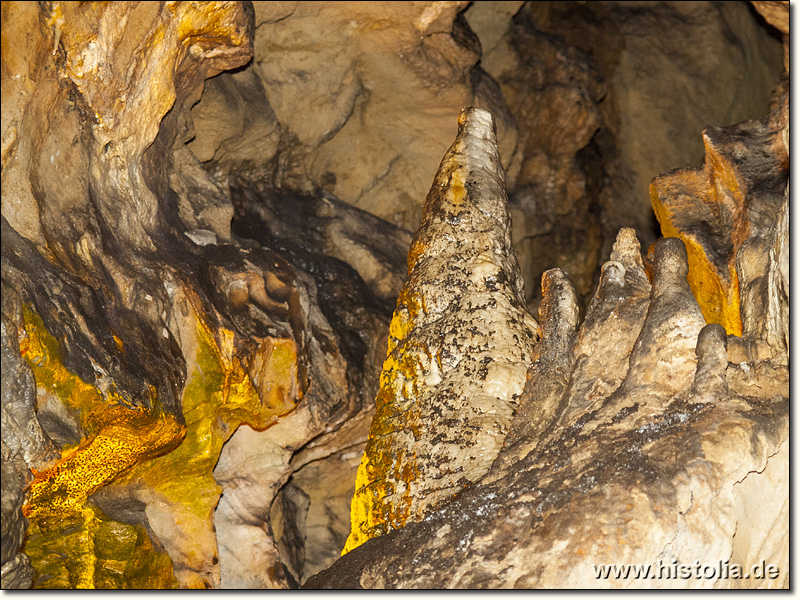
(195, 303)
(459, 344)
(654, 463)
(152, 335)
(734, 198)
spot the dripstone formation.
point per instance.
(208, 236)
(459, 344)
(653, 461)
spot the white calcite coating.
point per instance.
(461, 342)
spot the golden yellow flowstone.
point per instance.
(383, 466)
(134, 448)
(713, 199)
(119, 436)
(62, 540)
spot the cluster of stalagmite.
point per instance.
(645, 436)
(207, 209)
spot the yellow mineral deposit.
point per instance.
(85, 549)
(133, 446)
(119, 437)
(221, 393)
(711, 194)
(718, 296)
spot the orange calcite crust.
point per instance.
(706, 210)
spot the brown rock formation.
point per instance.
(206, 213)
(734, 200)
(654, 466)
(654, 99)
(776, 13)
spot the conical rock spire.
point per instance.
(460, 343)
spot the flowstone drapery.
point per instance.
(196, 302)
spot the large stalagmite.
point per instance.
(195, 304)
(459, 345)
(650, 449)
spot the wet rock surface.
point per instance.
(206, 214)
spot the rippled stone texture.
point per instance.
(459, 344)
(325, 102)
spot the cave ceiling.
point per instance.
(395, 295)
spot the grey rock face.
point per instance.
(17, 572)
(23, 445)
(21, 430)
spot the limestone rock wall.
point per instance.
(207, 209)
(586, 108)
(152, 333)
(648, 110)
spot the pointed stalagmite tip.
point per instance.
(477, 121)
(460, 343)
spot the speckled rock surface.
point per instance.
(657, 472)
(459, 344)
(649, 450)
(136, 308)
